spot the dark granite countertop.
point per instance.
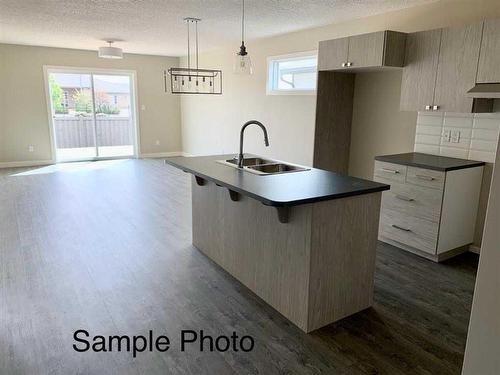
(435, 162)
(286, 189)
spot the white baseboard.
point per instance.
(474, 249)
(161, 155)
(27, 163)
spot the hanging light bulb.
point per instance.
(242, 62)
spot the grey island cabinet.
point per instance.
(304, 241)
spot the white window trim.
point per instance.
(289, 56)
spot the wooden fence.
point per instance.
(75, 132)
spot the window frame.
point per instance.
(271, 60)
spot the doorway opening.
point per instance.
(92, 113)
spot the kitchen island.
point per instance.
(304, 240)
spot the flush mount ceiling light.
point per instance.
(242, 62)
(193, 80)
(110, 52)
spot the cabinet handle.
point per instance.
(435, 107)
(390, 170)
(427, 107)
(403, 198)
(401, 228)
(344, 65)
(426, 178)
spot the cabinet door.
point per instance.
(419, 72)
(457, 68)
(332, 53)
(366, 50)
(489, 59)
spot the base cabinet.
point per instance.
(428, 212)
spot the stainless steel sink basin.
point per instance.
(276, 168)
(262, 166)
(247, 162)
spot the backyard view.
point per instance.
(91, 115)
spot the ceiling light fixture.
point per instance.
(193, 80)
(110, 52)
(242, 62)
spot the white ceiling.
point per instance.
(156, 26)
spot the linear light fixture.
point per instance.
(193, 80)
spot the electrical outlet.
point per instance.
(31, 148)
(157, 142)
(447, 135)
(455, 136)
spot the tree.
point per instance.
(57, 95)
(83, 101)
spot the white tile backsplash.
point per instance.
(458, 121)
(480, 145)
(426, 149)
(431, 120)
(478, 135)
(428, 139)
(485, 134)
(428, 130)
(486, 123)
(488, 157)
(453, 152)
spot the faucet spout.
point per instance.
(242, 133)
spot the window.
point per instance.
(292, 74)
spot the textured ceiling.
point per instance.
(156, 26)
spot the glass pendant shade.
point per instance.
(242, 64)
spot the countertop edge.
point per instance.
(273, 203)
(387, 159)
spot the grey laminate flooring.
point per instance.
(106, 247)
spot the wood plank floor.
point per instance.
(106, 247)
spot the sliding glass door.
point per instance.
(92, 114)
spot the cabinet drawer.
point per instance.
(425, 177)
(412, 231)
(389, 171)
(408, 199)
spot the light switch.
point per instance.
(455, 136)
(143, 107)
(446, 135)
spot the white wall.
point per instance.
(482, 353)
(23, 107)
(378, 126)
(211, 124)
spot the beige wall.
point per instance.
(482, 353)
(378, 127)
(23, 106)
(211, 124)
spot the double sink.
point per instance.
(262, 166)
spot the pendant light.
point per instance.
(110, 52)
(242, 62)
(193, 80)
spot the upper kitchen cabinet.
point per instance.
(332, 53)
(489, 58)
(440, 66)
(457, 68)
(373, 50)
(419, 74)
